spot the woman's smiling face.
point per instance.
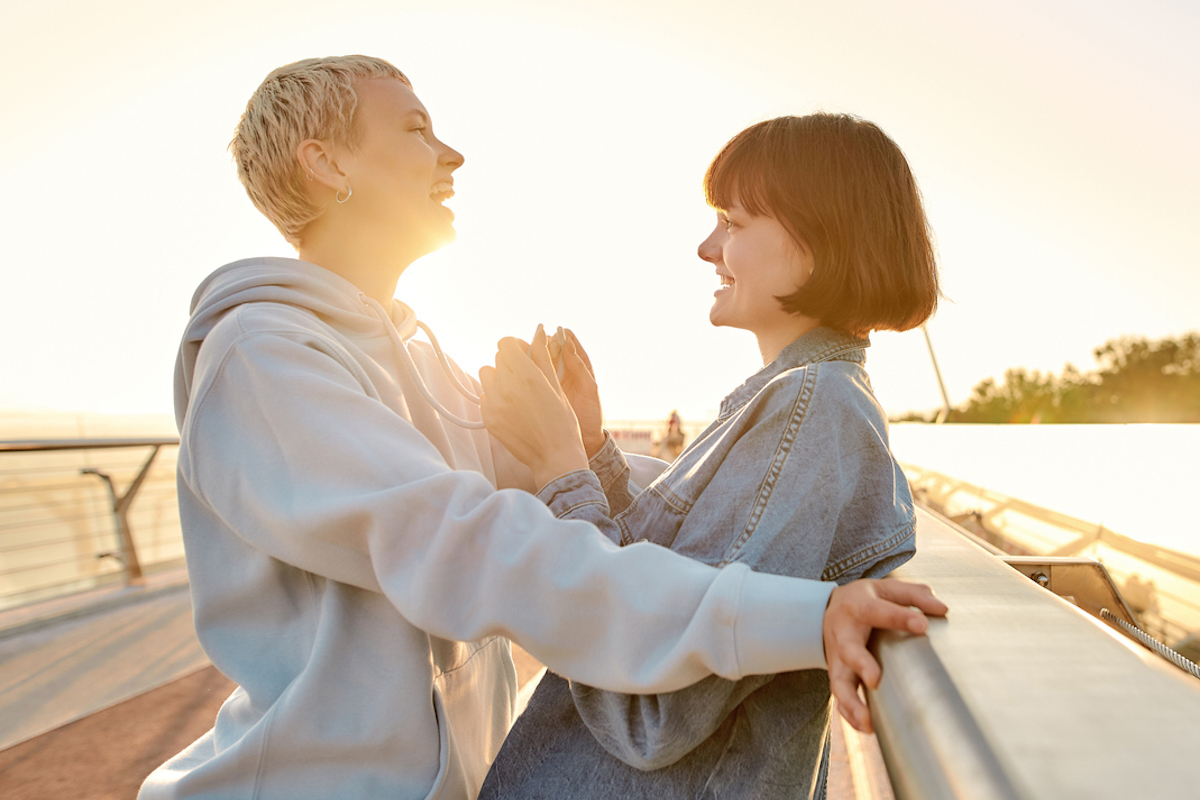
(400, 172)
(757, 262)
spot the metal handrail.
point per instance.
(1018, 693)
(119, 504)
(932, 744)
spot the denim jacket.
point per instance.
(794, 477)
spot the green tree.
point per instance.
(1139, 380)
(1023, 396)
(1148, 381)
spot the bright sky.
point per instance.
(1055, 142)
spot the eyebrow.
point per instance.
(424, 117)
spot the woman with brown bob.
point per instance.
(820, 239)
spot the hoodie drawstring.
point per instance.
(406, 358)
(464, 391)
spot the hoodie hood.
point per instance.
(332, 298)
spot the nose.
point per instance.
(710, 249)
(450, 157)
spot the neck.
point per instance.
(371, 265)
(772, 342)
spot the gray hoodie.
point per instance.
(357, 573)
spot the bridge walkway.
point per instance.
(97, 691)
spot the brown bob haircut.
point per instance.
(843, 190)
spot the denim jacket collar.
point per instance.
(819, 344)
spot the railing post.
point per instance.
(120, 508)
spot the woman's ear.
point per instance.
(319, 163)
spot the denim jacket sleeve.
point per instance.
(612, 470)
(622, 477)
(775, 503)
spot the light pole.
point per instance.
(945, 412)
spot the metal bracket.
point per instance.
(120, 508)
(1084, 581)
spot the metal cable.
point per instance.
(1137, 633)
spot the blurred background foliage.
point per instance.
(1137, 380)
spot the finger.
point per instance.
(911, 594)
(844, 686)
(555, 345)
(515, 370)
(878, 613)
(513, 344)
(520, 373)
(574, 368)
(541, 357)
(863, 664)
(578, 348)
(504, 360)
(487, 380)
(510, 352)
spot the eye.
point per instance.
(423, 130)
(729, 224)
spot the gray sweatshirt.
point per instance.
(357, 570)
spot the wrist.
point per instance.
(558, 464)
(593, 443)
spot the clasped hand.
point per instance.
(543, 424)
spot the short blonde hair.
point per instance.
(310, 99)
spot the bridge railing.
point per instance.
(80, 513)
(1018, 693)
(1161, 585)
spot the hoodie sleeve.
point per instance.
(285, 444)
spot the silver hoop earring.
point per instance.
(310, 175)
(338, 196)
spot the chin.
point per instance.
(718, 316)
